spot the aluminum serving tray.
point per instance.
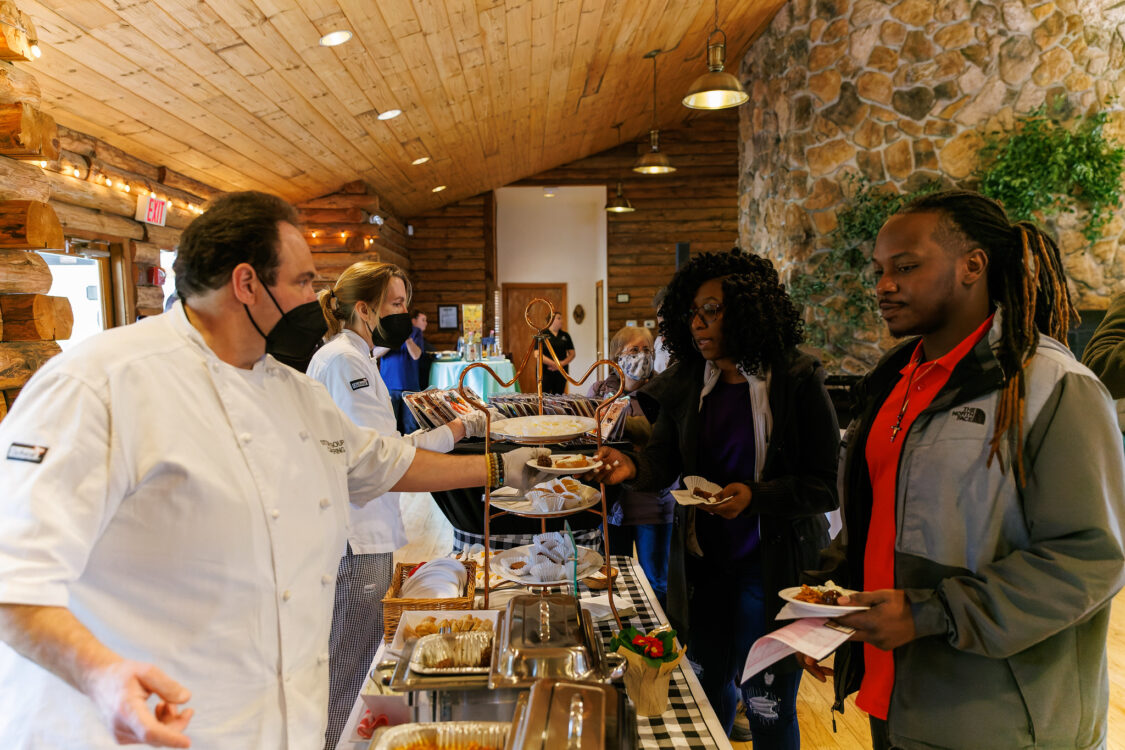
(453, 735)
(440, 646)
(406, 679)
(548, 636)
(578, 715)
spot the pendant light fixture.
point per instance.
(654, 162)
(716, 89)
(619, 204)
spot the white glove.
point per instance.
(516, 471)
(475, 424)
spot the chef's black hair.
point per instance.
(237, 228)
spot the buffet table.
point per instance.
(689, 721)
(446, 375)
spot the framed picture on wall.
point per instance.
(447, 317)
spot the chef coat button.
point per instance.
(215, 366)
(325, 502)
(322, 659)
(326, 579)
(304, 434)
(286, 595)
(275, 513)
(245, 437)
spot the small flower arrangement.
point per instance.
(657, 648)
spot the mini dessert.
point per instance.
(825, 595)
(702, 493)
(572, 462)
(544, 461)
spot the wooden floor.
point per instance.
(430, 534)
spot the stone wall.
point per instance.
(901, 91)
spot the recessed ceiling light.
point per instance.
(390, 114)
(420, 160)
(334, 38)
(549, 192)
(438, 189)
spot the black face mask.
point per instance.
(397, 329)
(296, 336)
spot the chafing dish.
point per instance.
(568, 715)
(549, 636)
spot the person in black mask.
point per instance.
(367, 307)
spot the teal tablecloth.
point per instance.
(446, 375)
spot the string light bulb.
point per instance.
(314, 235)
(77, 172)
(108, 182)
(36, 52)
(125, 187)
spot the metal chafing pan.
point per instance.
(549, 636)
(446, 735)
(467, 653)
(569, 715)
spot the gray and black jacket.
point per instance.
(1010, 587)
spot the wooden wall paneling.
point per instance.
(23, 272)
(22, 181)
(29, 225)
(66, 188)
(15, 43)
(146, 254)
(76, 218)
(150, 299)
(27, 133)
(35, 317)
(10, 396)
(176, 181)
(20, 359)
(18, 86)
(166, 238)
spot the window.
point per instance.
(167, 258)
(84, 282)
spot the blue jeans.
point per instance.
(728, 613)
(403, 417)
(654, 545)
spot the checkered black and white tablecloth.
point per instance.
(689, 722)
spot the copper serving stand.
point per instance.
(537, 345)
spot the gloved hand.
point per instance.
(516, 471)
(475, 424)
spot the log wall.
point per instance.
(449, 261)
(340, 233)
(698, 204)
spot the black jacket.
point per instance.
(798, 483)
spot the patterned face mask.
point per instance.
(637, 366)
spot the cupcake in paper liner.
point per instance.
(571, 500)
(570, 485)
(516, 566)
(549, 540)
(548, 502)
(548, 571)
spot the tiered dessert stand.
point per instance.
(538, 344)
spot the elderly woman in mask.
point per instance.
(640, 518)
(367, 308)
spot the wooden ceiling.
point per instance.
(239, 94)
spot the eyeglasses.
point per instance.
(708, 312)
(637, 350)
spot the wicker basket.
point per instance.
(394, 606)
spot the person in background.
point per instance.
(744, 408)
(983, 494)
(367, 308)
(660, 363)
(400, 368)
(641, 518)
(1105, 354)
(172, 510)
(553, 379)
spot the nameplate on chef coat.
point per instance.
(360, 383)
(31, 453)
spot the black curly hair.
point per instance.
(760, 322)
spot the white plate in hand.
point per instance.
(564, 469)
(808, 609)
(687, 496)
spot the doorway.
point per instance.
(518, 335)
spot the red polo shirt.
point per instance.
(915, 391)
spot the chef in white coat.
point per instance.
(368, 307)
(173, 508)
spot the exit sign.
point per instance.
(151, 210)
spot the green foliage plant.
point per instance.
(1041, 168)
(845, 269)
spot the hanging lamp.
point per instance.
(654, 162)
(716, 89)
(619, 204)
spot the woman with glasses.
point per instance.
(636, 517)
(745, 409)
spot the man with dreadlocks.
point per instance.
(984, 496)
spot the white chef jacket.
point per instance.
(192, 515)
(346, 368)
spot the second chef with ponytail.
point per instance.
(367, 308)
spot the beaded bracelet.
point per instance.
(495, 471)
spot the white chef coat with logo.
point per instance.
(346, 368)
(190, 514)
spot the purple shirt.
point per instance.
(726, 454)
